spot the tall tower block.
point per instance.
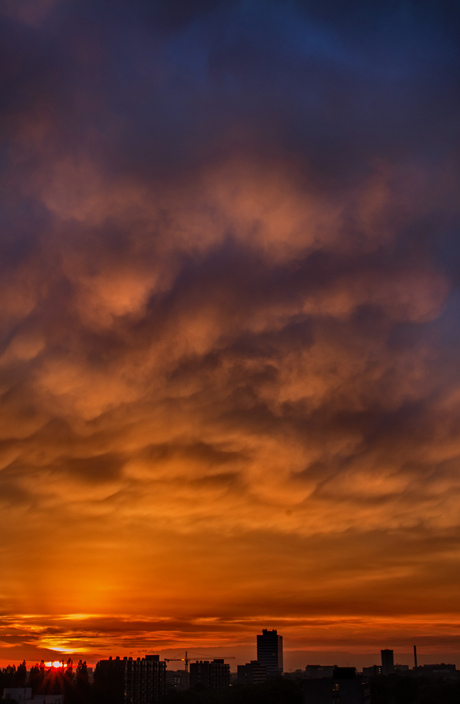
(270, 652)
(388, 666)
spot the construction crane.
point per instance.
(208, 657)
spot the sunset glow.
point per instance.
(229, 315)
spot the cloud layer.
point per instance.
(229, 317)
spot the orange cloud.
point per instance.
(228, 376)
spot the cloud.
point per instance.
(228, 303)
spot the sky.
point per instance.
(229, 338)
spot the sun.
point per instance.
(56, 664)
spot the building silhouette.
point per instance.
(109, 681)
(23, 695)
(318, 672)
(344, 687)
(214, 675)
(128, 681)
(145, 680)
(177, 679)
(372, 671)
(441, 671)
(252, 673)
(270, 652)
(388, 666)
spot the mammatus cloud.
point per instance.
(228, 306)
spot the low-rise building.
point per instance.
(317, 672)
(372, 671)
(23, 695)
(252, 673)
(441, 670)
(345, 687)
(19, 694)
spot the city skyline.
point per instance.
(400, 663)
(300, 659)
(229, 328)
(147, 680)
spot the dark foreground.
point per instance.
(77, 689)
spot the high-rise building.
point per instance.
(144, 680)
(270, 652)
(109, 681)
(388, 666)
(128, 681)
(215, 674)
(177, 679)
